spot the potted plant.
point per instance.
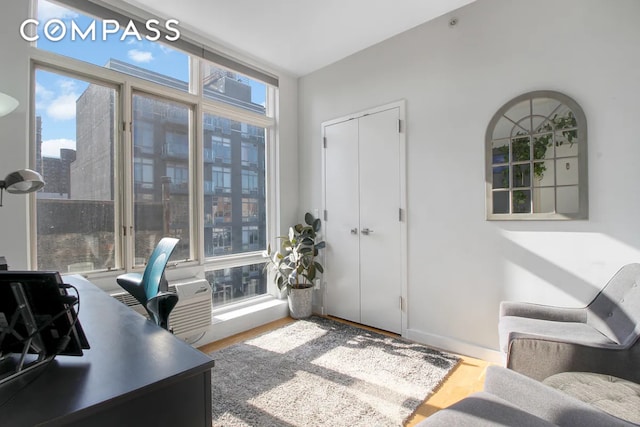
(295, 265)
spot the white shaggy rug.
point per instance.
(320, 372)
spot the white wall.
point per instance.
(454, 79)
(14, 81)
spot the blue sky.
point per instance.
(56, 94)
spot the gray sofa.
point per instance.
(540, 341)
(512, 399)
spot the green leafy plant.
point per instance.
(295, 265)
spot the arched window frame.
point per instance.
(560, 132)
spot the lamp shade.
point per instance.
(7, 104)
(22, 181)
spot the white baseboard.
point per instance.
(455, 346)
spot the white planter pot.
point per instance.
(300, 302)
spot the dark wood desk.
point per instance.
(135, 374)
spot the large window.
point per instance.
(237, 283)
(74, 138)
(537, 159)
(161, 191)
(136, 141)
(237, 195)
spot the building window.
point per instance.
(221, 178)
(249, 210)
(179, 175)
(222, 209)
(143, 173)
(249, 182)
(249, 154)
(250, 238)
(177, 143)
(221, 149)
(220, 241)
(536, 165)
(143, 137)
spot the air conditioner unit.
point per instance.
(192, 314)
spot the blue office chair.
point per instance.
(151, 288)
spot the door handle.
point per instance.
(354, 231)
(366, 231)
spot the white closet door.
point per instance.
(342, 262)
(380, 247)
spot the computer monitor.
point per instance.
(50, 309)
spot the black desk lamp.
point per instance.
(24, 180)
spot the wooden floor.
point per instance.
(464, 379)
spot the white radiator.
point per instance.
(192, 314)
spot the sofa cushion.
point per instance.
(618, 397)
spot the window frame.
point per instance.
(581, 127)
(126, 85)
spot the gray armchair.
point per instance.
(540, 341)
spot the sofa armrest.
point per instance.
(539, 358)
(544, 401)
(542, 312)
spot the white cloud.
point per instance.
(140, 56)
(63, 107)
(47, 11)
(51, 147)
(43, 94)
(67, 86)
(59, 103)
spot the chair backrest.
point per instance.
(154, 271)
(615, 311)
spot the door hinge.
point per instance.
(124, 230)
(399, 126)
(326, 215)
(324, 142)
(401, 304)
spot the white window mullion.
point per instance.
(197, 178)
(125, 171)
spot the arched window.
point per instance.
(536, 159)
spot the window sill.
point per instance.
(243, 316)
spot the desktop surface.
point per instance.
(135, 373)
